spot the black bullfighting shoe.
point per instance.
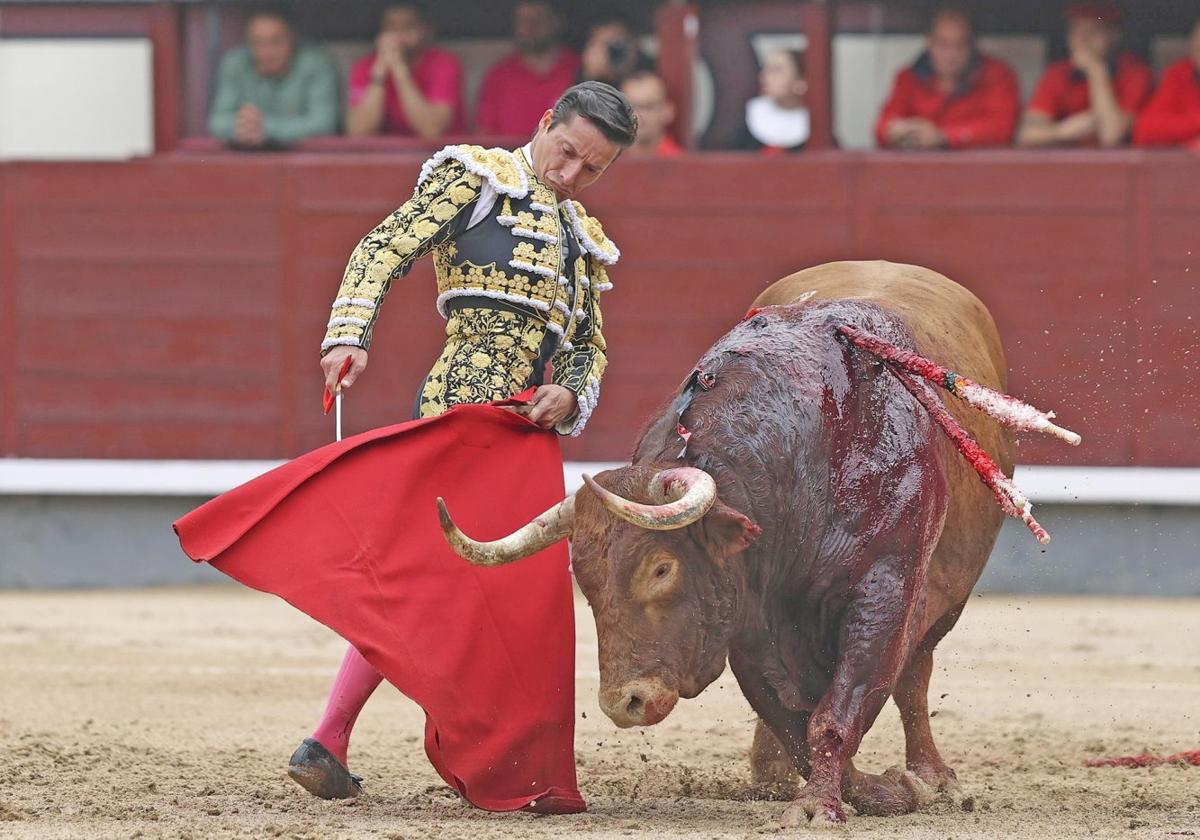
(317, 771)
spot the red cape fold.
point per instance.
(349, 534)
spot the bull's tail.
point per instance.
(1009, 411)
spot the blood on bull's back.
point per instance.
(949, 324)
(820, 446)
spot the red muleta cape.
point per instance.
(349, 534)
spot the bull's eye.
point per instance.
(657, 578)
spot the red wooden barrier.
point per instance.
(172, 307)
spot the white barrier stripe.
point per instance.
(112, 477)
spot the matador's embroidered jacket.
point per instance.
(512, 263)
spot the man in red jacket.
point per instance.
(1093, 97)
(1172, 117)
(952, 96)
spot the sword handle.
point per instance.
(337, 415)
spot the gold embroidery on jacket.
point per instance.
(488, 356)
(391, 248)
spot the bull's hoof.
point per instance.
(316, 770)
(895, 792)
(815, 811)
(939, 777)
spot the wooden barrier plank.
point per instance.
(137, 292)
(9, 338)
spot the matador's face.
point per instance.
(572, 155)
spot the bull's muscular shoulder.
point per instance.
(499, 167)
(591, 234)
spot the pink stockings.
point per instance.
(356, 679)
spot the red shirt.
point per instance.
(1063, 89)
(438, 75)
(667, 147)
(981, 112)
(1172, 117)
(514, 97)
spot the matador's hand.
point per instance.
(331, 365)
(551, 404)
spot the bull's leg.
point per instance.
(772, 770)
(779, 754)
(921, 755)
(874, 640)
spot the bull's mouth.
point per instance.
(691, 686)
(641, 702)
(646, 701)
(652, 711)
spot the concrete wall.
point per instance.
(94, 541)
(1101, 549)
(75, 98)
(126, 541)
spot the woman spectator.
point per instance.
(778, 121)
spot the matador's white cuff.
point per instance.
(586, 401)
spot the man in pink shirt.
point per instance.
(521, 87)
(407, 86)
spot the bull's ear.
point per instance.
(726, 532)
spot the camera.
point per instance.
(618, 52)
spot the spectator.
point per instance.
(611, 53)
(525, 84)
(1172, 116)
(273, 91)
(407, 86)
(655, 111)
(953, 95)
(778, 120)
(1092, 97)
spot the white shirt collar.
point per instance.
(784, 128)
(527, 150)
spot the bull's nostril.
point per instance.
(635, 706)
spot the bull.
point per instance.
(795, 512)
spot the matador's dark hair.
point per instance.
(602, 105)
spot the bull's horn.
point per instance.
(686, 493)
(545, 530)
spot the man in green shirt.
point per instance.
(273, 91)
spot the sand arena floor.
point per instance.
(171, 713)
